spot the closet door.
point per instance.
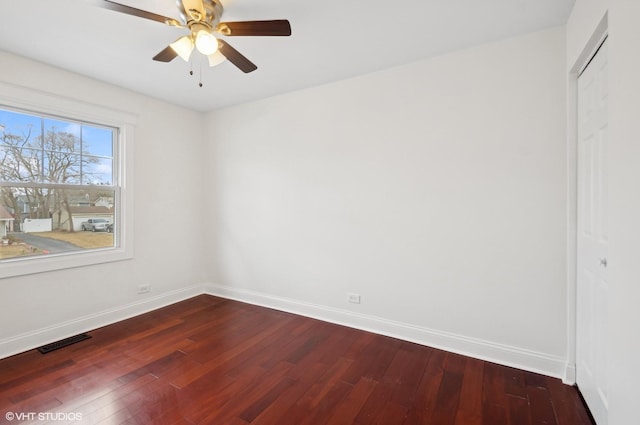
(593, 237)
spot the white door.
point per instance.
(593, 236)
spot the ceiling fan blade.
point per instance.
(166, 55)
(279, 27)
(111, 5)
(236, 58)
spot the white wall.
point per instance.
(436, 190)
(624, 166)
(41, 308)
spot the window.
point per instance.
(64, 201)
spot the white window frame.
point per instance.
(39, 102)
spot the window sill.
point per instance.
(46, 263)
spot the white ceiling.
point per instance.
(332, 40)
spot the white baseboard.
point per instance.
(569, 376)
(31, 340)
(485, 350)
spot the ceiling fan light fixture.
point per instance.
(216, 59)
(183, 47)
(206, 43)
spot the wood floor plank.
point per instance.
(514, 382)
(250, 386)
(519, 410)
(337, 345)
(448, 397)
(567, 404)
(209, 360)
(495, 406)
(373, 360)
(469, 410)
(323, 410)
(326, 382)
(392, 414)
(346, 412)
(374, 405)
(425, 399)
(125, 403)
(542, 411)
(280, 408)
(405, 371)
(266, 399)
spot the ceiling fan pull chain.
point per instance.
(200, 83)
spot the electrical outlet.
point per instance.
(144, 289)
(353, 298)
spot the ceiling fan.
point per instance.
(202, 18)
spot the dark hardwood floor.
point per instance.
(213, 361)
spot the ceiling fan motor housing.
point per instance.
(202, 12)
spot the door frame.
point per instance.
(588, 52)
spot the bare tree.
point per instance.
(50, 158)
(20, 163)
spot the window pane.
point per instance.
(97, 141)
(56, 221)
(19, 129)
(97, 171)
(61, 136)
(26, 202)
(20, 165)
(62, 167)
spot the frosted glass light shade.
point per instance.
(183, 47)
(216, 58)
(206, 43)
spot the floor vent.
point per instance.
(62, 343)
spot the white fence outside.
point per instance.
(31, 225)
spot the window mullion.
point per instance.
(42, 144)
